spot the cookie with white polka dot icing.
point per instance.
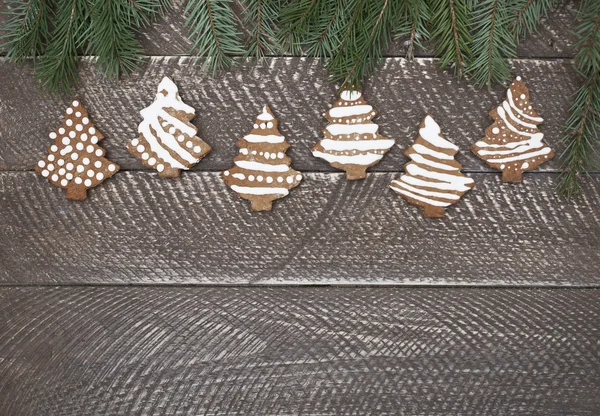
(75, 161)
(513, 143)
(262, 171)
(351, 141)
(167, 140)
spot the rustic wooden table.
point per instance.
(163, 296)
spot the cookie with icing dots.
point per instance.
(432, 179)
(75, 160)
(167, 140)
(513, 143)
(351, 141)
(261, 171)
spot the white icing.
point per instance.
(365, 159)
(431, 134)
(507, 107)
(525, 165)
(264, 167)
(421, 198)
(425, 192)
(519, 149)
(329, 144)
(348, 111)
(424, 161)
(268, 138)
(427, 151)
(456, 180)
(349, 95)
(151, 117)
(444, 186)
(239, 176)
(337, 129)
(251, 190)
(495, 130)
(502, 115)
(541, 152)
(512, 104)
(265, 116)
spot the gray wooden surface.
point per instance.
(292, 351)
(140, 300)
(138, 228)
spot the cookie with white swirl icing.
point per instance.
(513, 143)
(167, 140)
(432, 178)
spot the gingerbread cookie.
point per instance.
(432, 178)
(262, 171)
(75, 161)
(513, 143)
(167, 140)
(351, 140)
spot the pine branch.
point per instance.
(527, 15)
(367, 34)
(261, 16)
(411, 22)
(493, 42)
(582, 138)
(27, 31)
(213, 32)
(451, 20)
(298, 21)
(112, 36)
(57, 68)
(325, 39)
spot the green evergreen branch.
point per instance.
(57, 69)
(326, 37)
(582, 138)
(112, 36)
(411, 22)
(261, 15)
(367, 34)
(493, 42)
(213, 32)
(27, 31)
(299, 21)
(451, 20)
(527, 15)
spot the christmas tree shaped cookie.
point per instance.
(167, 140)
(262, 170)
(75, 161)
(351, 140)
(513, 143)
(432, 178)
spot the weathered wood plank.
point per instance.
(318, 351)
(296, 89)
(138, 228)
(168, 35)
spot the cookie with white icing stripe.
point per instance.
(513, 143)
(75, 161)
(167, 140)
(351, 141)
(432, 178)
(262, 171)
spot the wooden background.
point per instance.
(161, 296)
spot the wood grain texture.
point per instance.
(313, 351)
(298, 92)
(169, 36)
(138, 228)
